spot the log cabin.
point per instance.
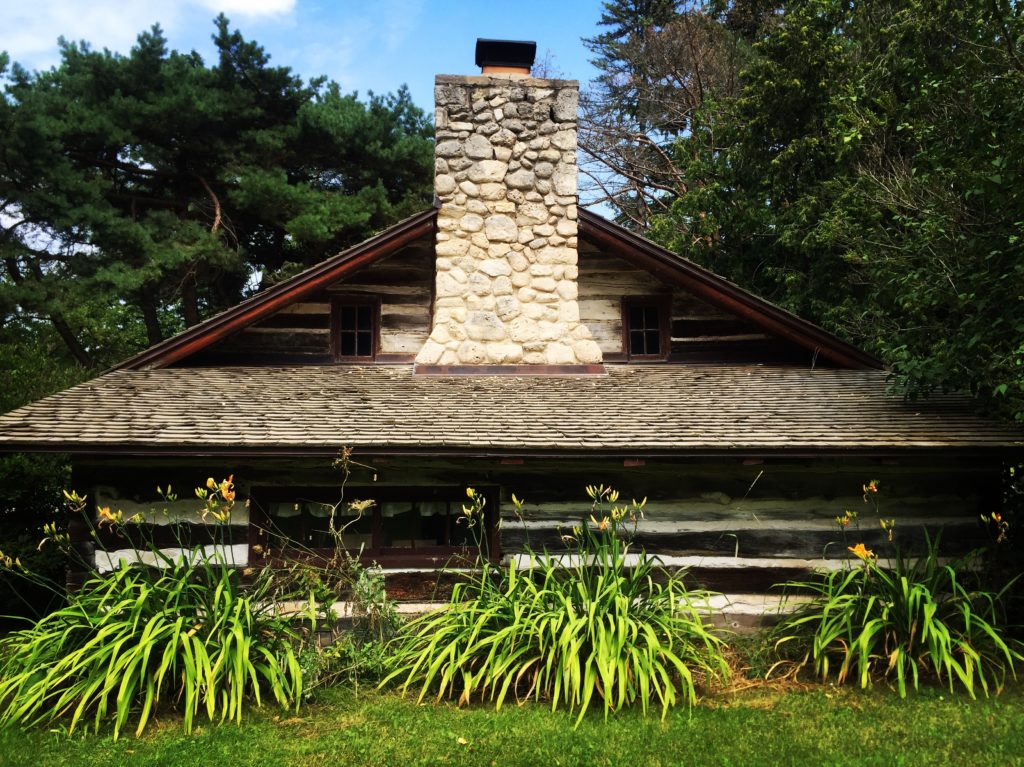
(509, 340)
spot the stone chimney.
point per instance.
(506, 178)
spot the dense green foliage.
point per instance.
(916, 619)
(193, 633)
(863, 169)
(34, 362)
(625, 24)
(598, 628)
(160, 184)
(839, 727)
(187, 635)
(361, 654)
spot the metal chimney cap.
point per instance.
(505, 53)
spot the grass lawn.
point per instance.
(758, 727)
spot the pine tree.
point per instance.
(631, 23)
(156, 182)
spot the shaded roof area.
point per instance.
(632, 410)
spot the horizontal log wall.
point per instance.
(173, 527)
(404, 283)
(699, 332)
(113, 559)
(301, 333)
(749, 526)
(739, 528)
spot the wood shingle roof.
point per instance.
(632, 410)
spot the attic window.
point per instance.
(355, 324)
(645, 328)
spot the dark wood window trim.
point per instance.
(663, 306)
(338, 305)
(261, 527)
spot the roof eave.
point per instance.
(795, 451)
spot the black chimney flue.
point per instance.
(510, 56)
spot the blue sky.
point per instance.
(374, 45)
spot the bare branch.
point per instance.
(216, 204)
(636, 116)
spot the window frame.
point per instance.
(260, 523)
(663, 305)
(338, 303)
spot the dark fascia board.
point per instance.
(84, 451)
(716, 290)
(274, 299)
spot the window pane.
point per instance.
(422, 524)
(400, 525)
(318, 534)
(355, 530)
(644, 328)
(433, 527)
(356, 329)
(364, 345)
(285, 524)
(636, 317)
(364, 317)
(458, 534)
(307, 525)
(318, 525)
(653, 342)
(636, 342)
(348, 344)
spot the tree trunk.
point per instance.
(71, 340)
(59, 323)
(189, 300)
(151, 318)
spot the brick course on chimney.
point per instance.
(506, 177)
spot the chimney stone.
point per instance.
(506, 258)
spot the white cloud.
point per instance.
(357, 43)
(250, 7)
(30, 30)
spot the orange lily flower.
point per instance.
(862, 551)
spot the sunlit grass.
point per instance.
(758, 727)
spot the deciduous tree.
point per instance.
(865, 170)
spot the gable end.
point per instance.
(272, 300)
(715, 290)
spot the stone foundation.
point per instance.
(506, 178)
